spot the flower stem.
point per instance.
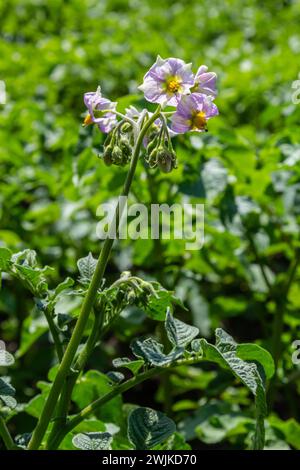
(88, 303)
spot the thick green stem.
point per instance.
(66, 394)
(5, 434)
(87, 305)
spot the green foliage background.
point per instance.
(245, 170)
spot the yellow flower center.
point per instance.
(88, 120)
(199, 120)
(173, 85)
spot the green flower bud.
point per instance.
(125, 147)
(107, 155)
(152, 158)
(117, 155)
(166, 160)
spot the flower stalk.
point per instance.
(88, 302)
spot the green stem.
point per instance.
(55, 335)
(117, 390)
(88, 303)
(5, 434)
(66, 394)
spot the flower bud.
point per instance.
(107, 155)
(117, 155)
(166, 160)
(126, 148)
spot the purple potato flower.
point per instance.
(205, 82)
(96, 106)
(167, 80)
(192, 113)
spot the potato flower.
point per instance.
(192, 113)
(167, 80)
(99, 111)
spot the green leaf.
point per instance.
(93, 441)
(147, 428)
(66, 284)
(133, 366)
(7, 393)
(179, 333)
(115, 377)
(5, 256)
(254, 352)
(86, 267)
(224, 353)
(6, 359)
(152, 352)
(158, 302)
(32, 278)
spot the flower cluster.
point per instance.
(169, 82)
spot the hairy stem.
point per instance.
(88, 303)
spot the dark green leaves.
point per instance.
(180, 334)
(7, 393)
(224, 353)
(133, 366)
(6, 359)
(152, 352)
(147, 428)
(93, 441)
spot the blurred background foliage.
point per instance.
(245, 170)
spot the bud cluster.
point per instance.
(159, 151)
(118, 145)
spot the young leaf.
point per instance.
(133, 366)
(93, 441)
(68, 282)
(147, 428)
(6, 359)
(158, 303)
(179, 333)
(152, 352)
(86, 267)
(7, 393)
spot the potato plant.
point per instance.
(142, 342)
